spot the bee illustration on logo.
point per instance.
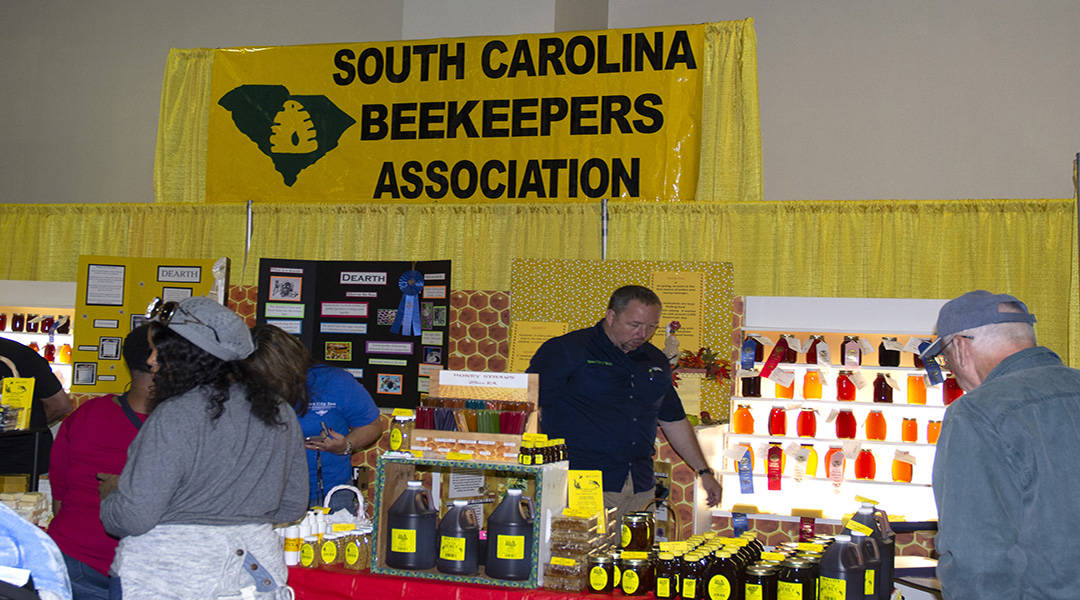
(294, 131)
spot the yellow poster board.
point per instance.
(111, 297)
(525, 339)
(697, 294)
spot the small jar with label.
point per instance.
(888, 357)
(778, 421)
(667, 576)
(309, 552)
(850, 351)
(401, 433)
(691, 575)
(845, 387)
(796, 579)
(751, 387)
(637, 532)
(331, 549)
(760, 581)
(882, 389)
(637, 577)
(811, 352)
(601, 573)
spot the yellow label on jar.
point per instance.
(352, 553)
(630, 582)
(689, 588)
(293, 544)
(618, 576)
(626, 535)
(510, 547)
(856, 526)
(564, 562)
(307, 555)
(811, 547)
(832, 589)
(772, 556)
(719, 588)
(395, 439)
(403, 540)
(452, 548)
(663, 587)
(328, 552)
(597, 578)
(753, 592)
(633, 555)
(868, 583)
(785, 590)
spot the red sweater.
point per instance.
(93, 439)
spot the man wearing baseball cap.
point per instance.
(1007, 469)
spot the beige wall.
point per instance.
(859, 99)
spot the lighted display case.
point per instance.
(27, 307)
(808, 418)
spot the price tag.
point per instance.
(892, 382)
(904, 457)
(782, 376)
(914, 343)
(857, 378)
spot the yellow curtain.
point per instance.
(886, 248)
(180, 157)
(729, 168)
(878, 249)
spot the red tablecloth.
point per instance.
(326, 584)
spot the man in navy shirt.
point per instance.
(605, 389)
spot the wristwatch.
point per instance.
(701, 472)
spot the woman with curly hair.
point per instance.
(218, 461)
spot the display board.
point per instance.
(112, 293)
(698, 295)
(385, 322)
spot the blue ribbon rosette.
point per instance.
(407, 320)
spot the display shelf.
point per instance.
(872, 320)
(549, 498)
(763, 480)
(839, 404)
(898, 445)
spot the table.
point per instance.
(326, 583)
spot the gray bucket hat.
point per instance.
(974, 309)
(212, 327)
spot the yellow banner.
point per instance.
(543, 117)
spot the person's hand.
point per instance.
(713, 490)
(334, 443)
(106, 483)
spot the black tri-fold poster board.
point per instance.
(385, 322)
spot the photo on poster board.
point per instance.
(338, 351)
(85, 373)
(109, 348)
(369, 317)
(390, 383)
(438, 316)
(285, 289)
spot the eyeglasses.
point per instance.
(165, 313)
(940, 358)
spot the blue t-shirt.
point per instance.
(336, 398)
(605, 403)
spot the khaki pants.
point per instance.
(626, 501)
